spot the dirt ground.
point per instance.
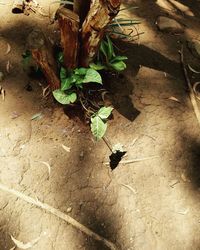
(162, 210)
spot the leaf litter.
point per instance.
(47, 165)
(67, 149)
(8, 49)
(23, 245)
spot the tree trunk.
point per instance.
(42, 53)
(81, 8)
(69, 27)
(99, 16)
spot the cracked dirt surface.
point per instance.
(162, 211)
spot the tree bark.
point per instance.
(99, 16)
(42, 53)
(69, 27)
(81, 8)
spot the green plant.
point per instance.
(107, 59)
(73, 81)
(98, 121)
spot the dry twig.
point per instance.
(133, 160)
(59, 214)
(191, 91)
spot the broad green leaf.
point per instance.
(80, 71)
(98, 127)
(104, 48)
(79, 81)
(66, 83)
(110, 48)
(118, 66)
(92, 76)
(97, 66)
(104, 112)
(118, 58)
(64, 98)
(63, 73)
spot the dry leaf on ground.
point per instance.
(67, 149)
(23, 245)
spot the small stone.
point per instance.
(1, 76)
(69, 209)
(169, 25)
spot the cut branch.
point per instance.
(42, 53)
(69, 28)
(99, 16)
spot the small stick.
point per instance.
(107, 142)
(59, 214)
(191, 91)
(133, 160)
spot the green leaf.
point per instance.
(118, 58)
(104, 48)
(80, 71)
(118, 66)
(104, 112)
(110, 48)
(97, 66)
(66, 83)
(64, 98)
(98, 127)
(63, 73)
(92, 76)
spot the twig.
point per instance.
(107, 142)
(59, 214)
(191, 91)
(133, 160)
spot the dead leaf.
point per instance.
(174, 99)
(197, 92)
(36, 116)
(2, 92)
(27, 245)
(67, 149)
(193, 70)
(8, 49)
(8, 66)
(46, 91)
(47, 165)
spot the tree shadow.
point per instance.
(191, 149)
(5, 240)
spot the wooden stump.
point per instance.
(69, 28)
(43, 54)
(99, 16)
